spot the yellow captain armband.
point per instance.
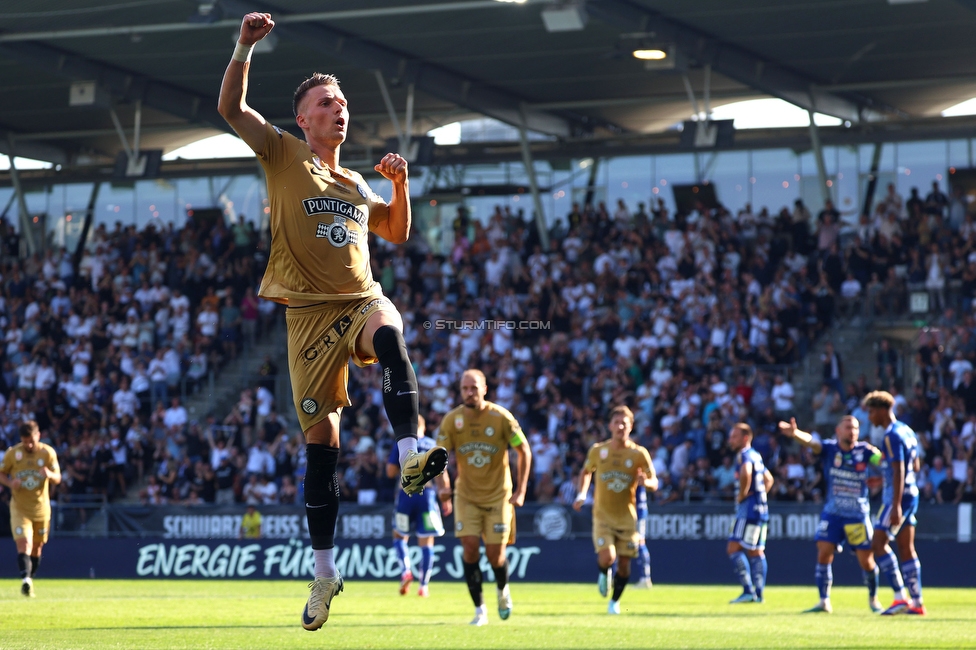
(517, 439)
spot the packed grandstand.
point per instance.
(696, 320)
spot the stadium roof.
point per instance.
(886, 67)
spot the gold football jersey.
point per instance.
(615, 474)
(32, 499)
(480, 440)
(320, 222)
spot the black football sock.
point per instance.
(400, 396)
(24, 564)
(472, 575)
(321, 494)
(619, 582)
(501, 574)
(35, 562)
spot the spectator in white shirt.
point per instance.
(850, 292)
(45, 377)
(959, 367)
(782, 394)
(175, 415)
(207, 322)
(124, 400)
(157, 379)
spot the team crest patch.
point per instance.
(489, 431)
(362, 190)
(310, 406)
(600, 541)
(603, 454)
(458, 421)
(838, 460)
(500, 528)
(628, 463)
(460, 525)
(19, 455)
(40, 462)
(19, 530)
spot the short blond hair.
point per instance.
(878, 399)
(623, 410)
(317, 79)
(743, 427)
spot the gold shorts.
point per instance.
(624, 540)
(321, 340)
(24, 527)
(494, 523)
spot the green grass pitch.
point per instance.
(230, 614)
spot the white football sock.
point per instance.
(324, 564)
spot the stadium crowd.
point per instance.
(101, 350)
(696, 320)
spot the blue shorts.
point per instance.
(909, 506)
(642, 526)
(749, 533)
(837, 529)
(418, 514)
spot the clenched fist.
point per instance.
(254, 27)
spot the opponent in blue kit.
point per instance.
(747, 541)
(643, 555)
(896, 519)
(846, 504)
(419, 513)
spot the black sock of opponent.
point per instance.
(619, 582)
(24, 564)
(321, 494)
(35, 562)
(400, 396)
(501, 574)
(472, 575)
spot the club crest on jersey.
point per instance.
(40, 462)
(362, 191)
(458, 421)
(628, 463)
(838, 459)
(19, 455)
(310, 406)
(337, 233)
(489, 431)
(603, 454)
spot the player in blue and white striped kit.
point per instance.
(747, 541)
(418, 512)
(896, 519)
(846, 504)
(643, 555)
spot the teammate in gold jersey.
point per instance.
(27, 469)
(321, 217)
(480, 433)
(619, 465)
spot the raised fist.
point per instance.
(254, 27)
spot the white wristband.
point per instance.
(581, 496)
(242, 52)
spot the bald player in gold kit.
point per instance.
(481, 433)
(321, 217)
(28, 469)
(618, 464)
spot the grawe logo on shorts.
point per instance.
(324, 344)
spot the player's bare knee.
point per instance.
(866, 560)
